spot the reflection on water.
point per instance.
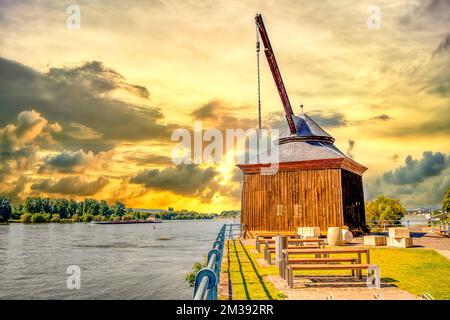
(116, 261)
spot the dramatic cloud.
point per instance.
(18, 142)
(415, 171)
(149, 159)
(419, 182)
(328, 118)
(96, 78)
(207, 111)
(74, 162)
(186, 179)
(80, 96)
(443, 47)
(426, 12)
(73, 186)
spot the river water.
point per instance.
(116, 261)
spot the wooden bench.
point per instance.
(317, 243)
(314, 261)
(373, 272)
(325, 253)
(261, 238)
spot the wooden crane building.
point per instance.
(316, 185)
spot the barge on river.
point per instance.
(127, 221)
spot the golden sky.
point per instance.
(89, 112)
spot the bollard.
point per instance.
(280, 244)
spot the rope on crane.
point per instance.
(258, 46)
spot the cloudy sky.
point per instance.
(89, 112)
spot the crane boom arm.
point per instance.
(276, 73)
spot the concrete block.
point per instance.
(374, 240)
(399, 232)
(400, 242)
(309, 232)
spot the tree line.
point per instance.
(384, 208)
(41, 210)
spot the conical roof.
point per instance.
(310, 148)
(307, 129)
(310, 142)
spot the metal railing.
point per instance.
(207, 279)
(441, 226)
(398, 223)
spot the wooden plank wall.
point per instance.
(353, 200)
(305, 198)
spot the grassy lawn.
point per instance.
(414, 270)
(247, 275)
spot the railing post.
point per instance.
(207, 279)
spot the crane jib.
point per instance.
(276, 73)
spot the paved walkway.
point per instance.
(334, 287)
(423, 240)
(349, 288)
(337, 288)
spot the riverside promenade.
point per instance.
(406, 274)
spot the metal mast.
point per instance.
(276, 73)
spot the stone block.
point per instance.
(399, 232)
(400, 242)
(374, 240)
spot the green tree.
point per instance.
(384, 208)
(5, 208)
(118, 208)
(17, 210)
(71, 208)
(104, 209)
(446, 202)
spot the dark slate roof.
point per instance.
(310, 143)
(308, 129)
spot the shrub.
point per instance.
(75, 218)
(55, 218)
(47, 217)
(87, 217)
(25, 218)
(37, 218)
(127, 217)
(114, 218)
(190, 277)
